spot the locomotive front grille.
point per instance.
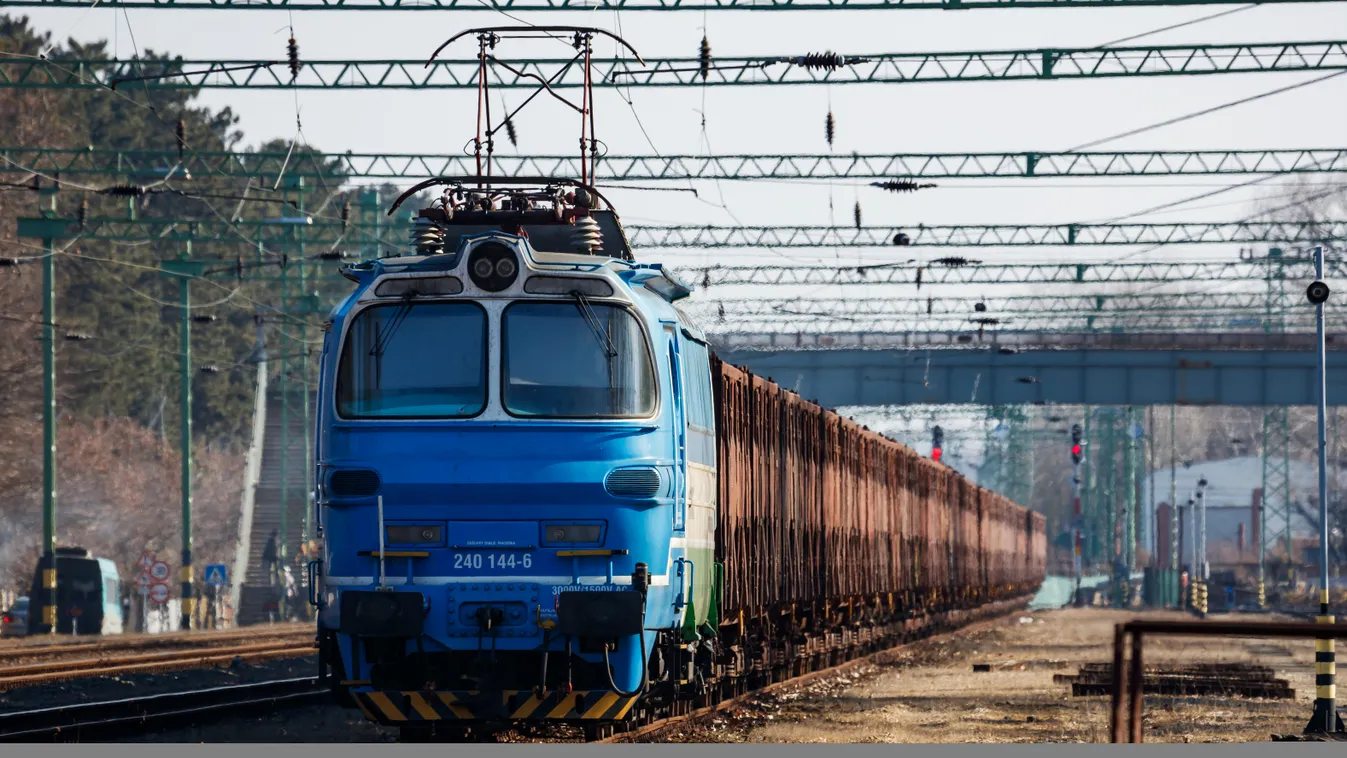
(632, 482)
(354, 483)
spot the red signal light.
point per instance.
(1075, 449)
(935, 453)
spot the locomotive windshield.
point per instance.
(414, 360)
(575, 360)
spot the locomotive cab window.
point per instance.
(414, 360)
(575, 360)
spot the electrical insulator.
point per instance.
(83, 217)
(204, 318)
(704, 56)
(123, 190)
(77, 336)
(510, 133)
(292, 56)
(830, 128)
(829, 60)
(901, 185)
(857, 214)
(345, 216)
(181, 133)
(210, 369)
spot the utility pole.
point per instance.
(1202, 572)
(1174, 512)
(1325, 717)
(48, 228)
(185, 270)
(1192, 552)
(1076, 451)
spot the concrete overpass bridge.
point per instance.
(1005, 367)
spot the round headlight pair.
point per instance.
(493, 266)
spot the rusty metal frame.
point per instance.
(1140, 628)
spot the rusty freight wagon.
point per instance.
(834, 541)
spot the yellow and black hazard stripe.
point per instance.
(521, 705)
(584, 705)
(402, 707)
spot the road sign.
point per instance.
(144, 580)
(146, 560)
(216, 574)
(159, 593)
(159, 571)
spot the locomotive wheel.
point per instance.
(595, 732)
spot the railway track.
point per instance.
(118, 718)
(63, 646)
(124, 662)
(777, 680)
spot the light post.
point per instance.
(1325, 718)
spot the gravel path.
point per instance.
(928, 692)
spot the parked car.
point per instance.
(15, 621)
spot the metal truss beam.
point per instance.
(636, 5)
(873, 377)
(997, 235)
(958, 270)
(392, 236)
(1073, 303)
(822, 325)
(267, 166)
(885, 68)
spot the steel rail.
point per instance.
(105, 719)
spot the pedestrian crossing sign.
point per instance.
(216, 574)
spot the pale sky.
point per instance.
(925, 117)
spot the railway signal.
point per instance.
(937, 443)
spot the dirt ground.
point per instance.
(928, 692)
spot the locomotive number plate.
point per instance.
(493, 561)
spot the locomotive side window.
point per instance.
(575, 360)
(425, 360)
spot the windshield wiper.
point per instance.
(382, 339)
(600, 333)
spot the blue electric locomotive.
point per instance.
(516, 469)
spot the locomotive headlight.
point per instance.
(572, 533)
(493, 266)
